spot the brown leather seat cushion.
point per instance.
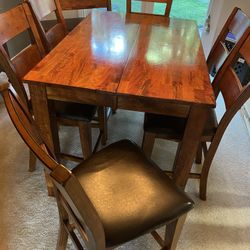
(75, 111)
(173, 127)
(131, 195)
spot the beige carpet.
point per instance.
(29, 219)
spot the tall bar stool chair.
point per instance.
(234, 95)
(19, 20)
(144, 198)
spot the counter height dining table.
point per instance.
(129, 61)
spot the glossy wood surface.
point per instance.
(130, 56)
(167, 62)
(92, 56)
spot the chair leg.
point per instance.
(32, 162)
(173, 232)
(205, 170)
(198, 158)
(102, 116)
(148, 143)
(62, 238)
(49, 184)
(86, 138)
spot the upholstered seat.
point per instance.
(125, 187)
(173, 127)
(114, 196)
(75, 111)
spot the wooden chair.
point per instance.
(81, 5)
(86, 199)
(235, 26)
(50, 38)
(167, 2)
(225, 82)
(19, 20)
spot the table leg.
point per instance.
(46, 123)
(188, 147)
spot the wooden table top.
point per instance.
(135, 55)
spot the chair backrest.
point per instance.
(85, 4)
(230, 34)
(73, 203)
(167, 2)
(12, 24)
(41, 9)
(227, 82)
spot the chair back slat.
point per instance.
(40, 10)
(55, 35)
(167, 2)
(24, 61)
(245, 51)
(43, 8)
(85, 4)
(236, 24)
(230, 87)
(13, 23)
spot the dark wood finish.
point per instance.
(112, 69)
(76, 209)
(85, 4)
(228, 84)
(167, 2)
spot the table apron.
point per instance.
(81, 96)
(153, 106)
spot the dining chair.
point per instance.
(50, 38)
(167, 8)
(230, 34)
(226, 83)
(19, 21)
(111, 198)
(82, 5)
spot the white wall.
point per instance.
(219, 11)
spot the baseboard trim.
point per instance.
(246, 119)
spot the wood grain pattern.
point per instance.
(167, 63)
(102, 44)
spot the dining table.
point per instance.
(134, 62)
